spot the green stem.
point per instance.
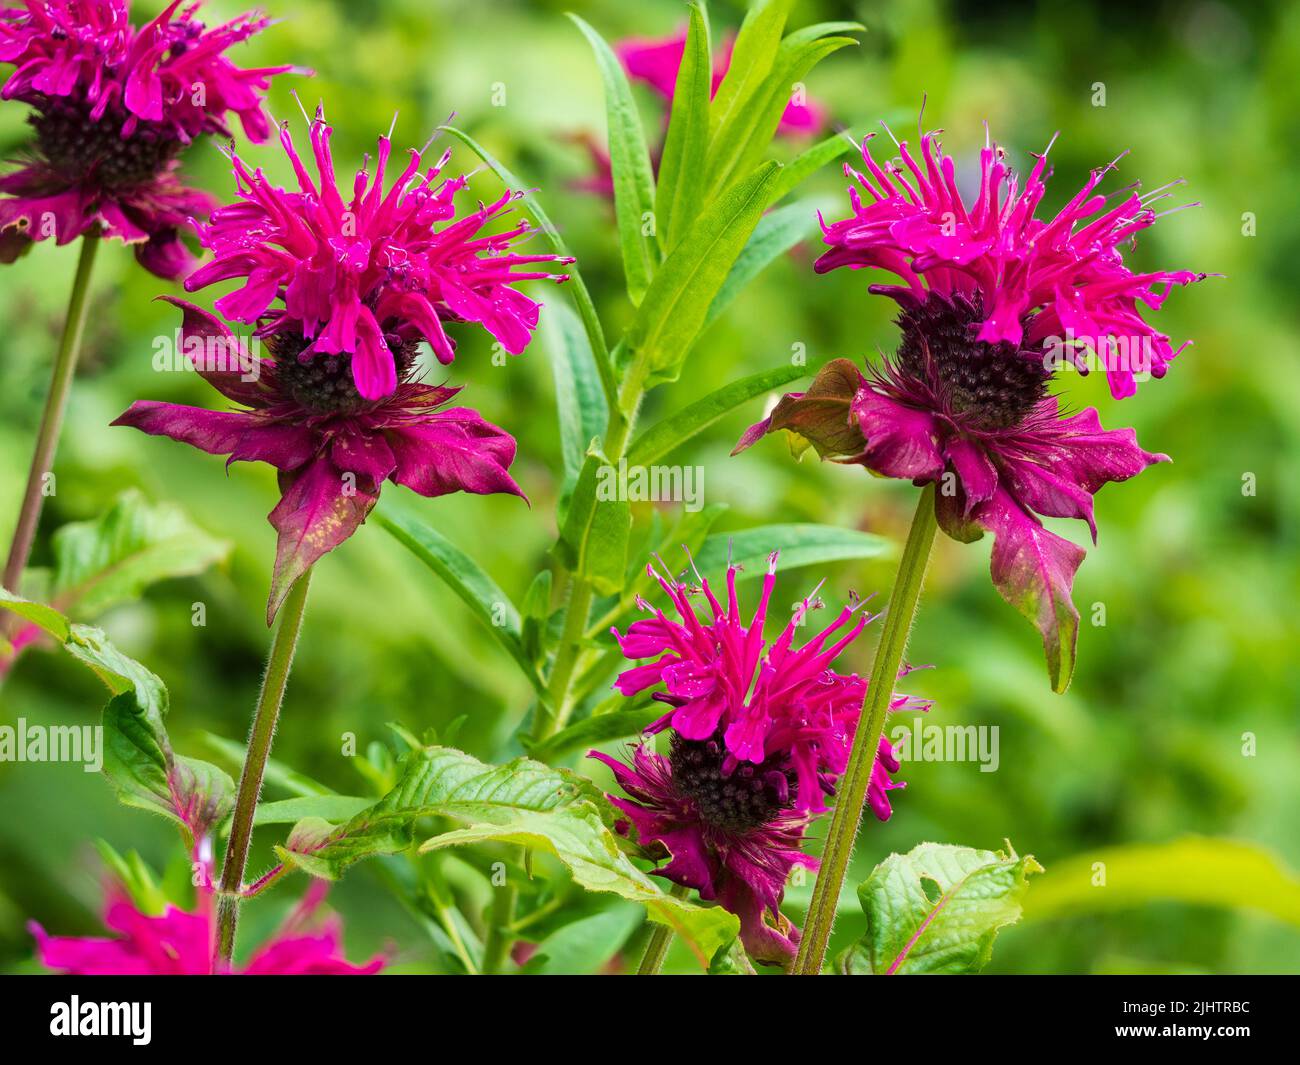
(656, 948)
(274, 682)
(500, 933)
(852, 790)
(56, 402)
(581, 595)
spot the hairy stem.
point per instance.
(852, 789)
(274, 682)
(56, 402)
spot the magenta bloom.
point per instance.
(1053, 288)
(655, 62)
(977, 420)
(179, 943)
(733, 839)
(333, 447)
(346, 273)
(722, 680)
(113, 106)
(759, 736)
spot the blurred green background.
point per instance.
(1198, 580)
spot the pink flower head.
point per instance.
(180, 943)
(735, 841)
(1057, 288)
(779, 704)
(346, 272)
(113, 106)
(975, 418)
(333, 447)
(655, 62)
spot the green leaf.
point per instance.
(579, 400)
(40, 615)
(276, 773)
(634, 193)
(800, 544)
(937, 909)
(467, 579)
(327, 807)
(744, 141)
(587, 944)
(732, 960)
(138, 758)
(146, 773)
(594, 537)
(662, 438)
(114, 558)
(678, 300)
(808, 162)
(599, 728)
(1197, 870)
(775, 234)
(680, 192)
(537, 611)
(522, 802)
(751, 61)
(92, 647)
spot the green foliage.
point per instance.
(113, 559)
(937, 909)
(1196, 870)
(522, 802)
(634, 188)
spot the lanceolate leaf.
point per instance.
(522, 802)
(751, 61)
(937, 909)
(135, 543)
(678, 301)
(467, 579)
(660, 439)
(620, 724)
(775, 234)
(634, 196)
(682, 169)
(578, 396)
(328, 807)
(739, 146)
(800, 544)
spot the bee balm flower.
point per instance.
(964, 402)
(333, 447)
(113, 107)
(758, 737)
(343, 273)
(1018, 281)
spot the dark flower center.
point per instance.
(992, 386)
(81, 149)
(749, 797)
(324, 383)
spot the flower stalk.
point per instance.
(866, 740)
(661, 938)
(56, 402)
(278, 664)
